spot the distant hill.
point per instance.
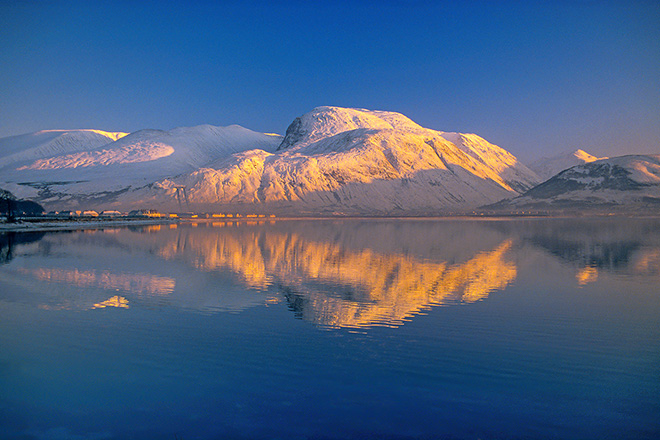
(619, 184)
(547, 167)
(25, 148)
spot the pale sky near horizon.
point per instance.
(535, 77)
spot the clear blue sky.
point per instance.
(536, 78)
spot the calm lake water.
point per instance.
(333, 329)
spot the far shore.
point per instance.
(37, 224)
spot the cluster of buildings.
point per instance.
(108, 214)
(145, 213)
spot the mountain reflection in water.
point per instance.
(352, 273)
(332, 285)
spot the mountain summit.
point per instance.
(323, 122)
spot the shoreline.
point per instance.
(39, 225)
(64, 225)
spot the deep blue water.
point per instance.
(353, 329)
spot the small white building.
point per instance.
(111, 213)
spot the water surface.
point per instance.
(333, 329)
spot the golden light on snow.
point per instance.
(362, 160)
(115, 135)
(586, 157)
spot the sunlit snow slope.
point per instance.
(352, 161)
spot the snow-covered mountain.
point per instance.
(332, 160)
(90, 167)
(354, 161)
(546, 167)
(630, 183)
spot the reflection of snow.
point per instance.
(389, 289)
(648, 262)
(587, 275)
(134, 283)
(115, 301)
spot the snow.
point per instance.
(644, 169)
(127, 154)
(505, 164)
(114, 135)
(323, 122)
(332, 160)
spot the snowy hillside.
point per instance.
(547, 167)
(625, 182)
(65, 168)
(353, 161)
